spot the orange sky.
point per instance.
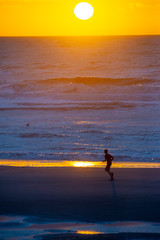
(56, 18)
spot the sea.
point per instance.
(69, 98)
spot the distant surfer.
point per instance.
(108, 158)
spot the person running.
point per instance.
(108, 158)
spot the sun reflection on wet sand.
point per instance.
(78, 164)
(83, 164)
(20, 226)
(88, 232)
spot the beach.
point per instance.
(80, 195)
(63, 101)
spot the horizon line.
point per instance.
(114, 35)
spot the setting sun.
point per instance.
(83, 11)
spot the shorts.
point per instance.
(108, 166)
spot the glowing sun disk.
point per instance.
(83, 11)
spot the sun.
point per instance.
(83, 11)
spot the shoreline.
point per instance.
(75, 164)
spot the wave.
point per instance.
(78, 87)
(70, 107)
(41, 135)
(91, 131)
(75, 155)
(29, 85)
(97, 80)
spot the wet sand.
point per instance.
(81, 194)
(120, 236)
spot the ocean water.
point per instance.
(69, 98)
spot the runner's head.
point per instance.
(105, 151)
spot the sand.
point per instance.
(120, 236)
(81, 194)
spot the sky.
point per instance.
(56, 18)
